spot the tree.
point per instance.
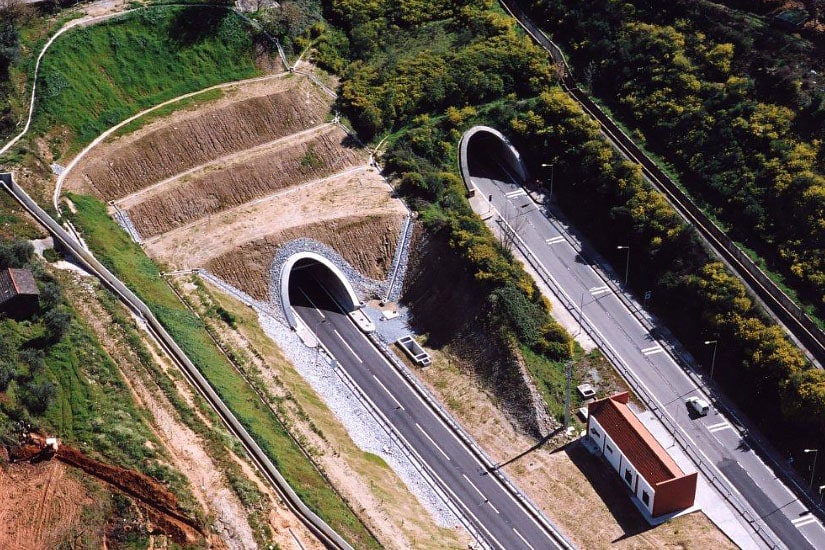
(37, 395)
(57, 321)
(50, 296)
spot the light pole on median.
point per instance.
(713, 360)
(813, 468)
(627, 263)
(821, 488)
(552, 173)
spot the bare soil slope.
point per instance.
(250, 116)
(291, 164)
(40, 506)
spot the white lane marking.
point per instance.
(473, 485)
(430, 439)
(555, 240)
(524, 540)
(596, 290)
(549, 533)
(805, 520)
(720, 426)
(321, 313)
(653, 349)
(514, 194)
(352, 351)
(398, 405)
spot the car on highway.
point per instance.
(698, 405)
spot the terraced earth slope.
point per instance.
(223, 186)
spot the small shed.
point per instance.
(645, 466)
(18, 293)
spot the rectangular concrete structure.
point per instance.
(645, 466)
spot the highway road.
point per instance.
(717, 440)
(497, 517)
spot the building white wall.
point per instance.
(644, 486)
(637, 484)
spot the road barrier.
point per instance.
(781, 306)
(315, 524)
(706, 467)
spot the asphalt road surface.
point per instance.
(715, 436)
(496, 515)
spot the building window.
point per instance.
(607, 446)
(628, 476)
(646, 498)
(595, 432)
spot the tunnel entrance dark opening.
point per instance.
(486, 156)
(310, 281)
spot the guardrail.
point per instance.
(782, 307)
(314, 523)
(470, 443)
(706, 467)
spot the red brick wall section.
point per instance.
(674, 494)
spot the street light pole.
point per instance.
(627, 263)
(813, 468)
(712, 361)
(318, 323)
(552, 174)
(821, 488)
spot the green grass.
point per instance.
(126, 259)
(195, 101)
(95, 77)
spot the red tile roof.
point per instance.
(16, 281)
(634, 440)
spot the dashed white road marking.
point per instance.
(321, 313)
(596, 290)
(524, 540)
(430, 439)
(719, 426)
(804, 520)
(555, 240)
(473, 485)
(352, 351)
(653, 349)
(397, 404)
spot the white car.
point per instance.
(699, 405)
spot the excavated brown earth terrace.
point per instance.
(353, 213)
(291, 164)
(246, 117)
(223, 185)
(368, 245)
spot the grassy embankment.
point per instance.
(94, 77)
(114, 247)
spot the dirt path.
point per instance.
(40, 506)
(568, 485)
(321, 201)
(187, 449)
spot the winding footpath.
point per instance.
(314, 523)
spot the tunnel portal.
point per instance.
(309, 279)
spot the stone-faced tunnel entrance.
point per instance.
(483, 151)
(308, 279)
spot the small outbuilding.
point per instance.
(18, 293)
(650, 473)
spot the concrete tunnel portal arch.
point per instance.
(484, 138)
(326, 273)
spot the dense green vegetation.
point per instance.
(734, 104)
(415, 72)
(126, 259)
(56, 378)
(94, 77)
(387, 86)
